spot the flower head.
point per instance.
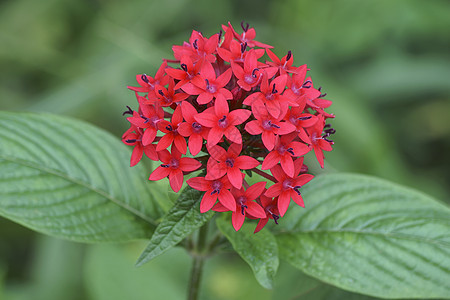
(237, 115)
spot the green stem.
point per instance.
(199, 257)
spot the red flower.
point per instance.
(320, 143)
(271, 97)
(250, 76)
(270, 206)
(173, 166)
(172, 135)
(133, 137)
(215, 189)
(148, 119)
(207, 86)
(167, 97)
(285, 148)
(230, 163)
(284, 65)
(213, 89)
(188, 71)
(191, 129)
(244, 204)
(147, 83)
(301, 120)
(222, 122)
(288, 187)
(247, 36)
(269, 127)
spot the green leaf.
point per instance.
(259, 250)
(69, 179)
(370, 236)
(183, 219)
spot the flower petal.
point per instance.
(235, 177)
(283, 202)
(208, 201)
(271, 160)
(274, 190)
(255, 191)
(159, 173)
(188, 164)
(227, 199)
(237, 219)
(195, 144)
(176, 180)
(246, 162)
(255, 210)
(198, 183)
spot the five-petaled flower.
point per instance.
(238, 116)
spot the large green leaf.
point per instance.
(66, 178)
(370, 236)
(259, 250)
(181, 220)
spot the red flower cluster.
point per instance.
(233, 112)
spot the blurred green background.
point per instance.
(385, 64)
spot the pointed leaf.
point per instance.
(370, 236)
(69, 179)
(259, 250)
(183, 219)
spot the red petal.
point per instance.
(235, 177)
(149, 136)
(288, 165)
(214, 136)
(238, 116)
(198, 183)
(299, 148)
(219, 207)
(283, 202)
(221, 107)
(237, 70)
(136, 155)
(268, 139)
(261, 224)
(325, 145)
(191, 89)
(233, 134)
(195, 144)
(285, 128)
(185, 129)
(246, 162)
(274, 190)
(188, 164)
(227, 199)
(159, 173)
(255, 191)
(224, 78)
(208, 201)
(278, 173)
(218, 153)
(255, 210)
(271, 160)
(180, 144)
(164, 142)
(204, 98)
(303, 179)
(237, 219)
(253, 127)
(207, 71)
(298, 199)
(234, 150)
(150, 151)
(188, 111)
(214, 169)
(319, 155)
(176, 180)
(206, 119)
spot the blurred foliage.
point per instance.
(385, 64)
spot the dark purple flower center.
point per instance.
(196, 128)
(216, 186)
(223, 122)
(229, 162)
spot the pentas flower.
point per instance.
(244, 204)
(288, 187)
(238, 114)
(229, 163)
